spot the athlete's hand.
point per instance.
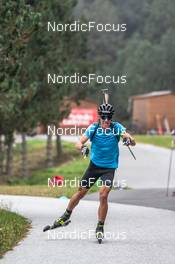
(85, 151)
(126, 141)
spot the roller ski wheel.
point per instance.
(99, 233)
(58, 223)
(99, 236)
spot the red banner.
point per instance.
(80, 117)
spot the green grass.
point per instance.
(31, 145)
(37, 184)
(41, 190)
(13, 228)
(36, 150)
(37, 158)
(160, 141)
(72, 167)
(36, 144)
(69, 170)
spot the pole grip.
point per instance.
(105, 96)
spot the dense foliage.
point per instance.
(145, 52)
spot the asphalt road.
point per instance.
(155, 198)
(134, 234)
(150, 170)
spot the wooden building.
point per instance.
(155, 110)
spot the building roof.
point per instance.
(152, 94)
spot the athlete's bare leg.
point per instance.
(103, 208)
(76, 198)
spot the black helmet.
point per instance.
(107, 109)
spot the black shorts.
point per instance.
(93, 173)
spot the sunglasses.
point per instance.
(106, 117)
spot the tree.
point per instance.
(55, 53)
(144, 52)
(17, 23)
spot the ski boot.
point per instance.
(99, 232)
(60, 222)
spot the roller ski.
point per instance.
(60, 222)
(99, 233)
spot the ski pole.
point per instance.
(126, 142)
(169, 172)
(131, 152)
(170, 162)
